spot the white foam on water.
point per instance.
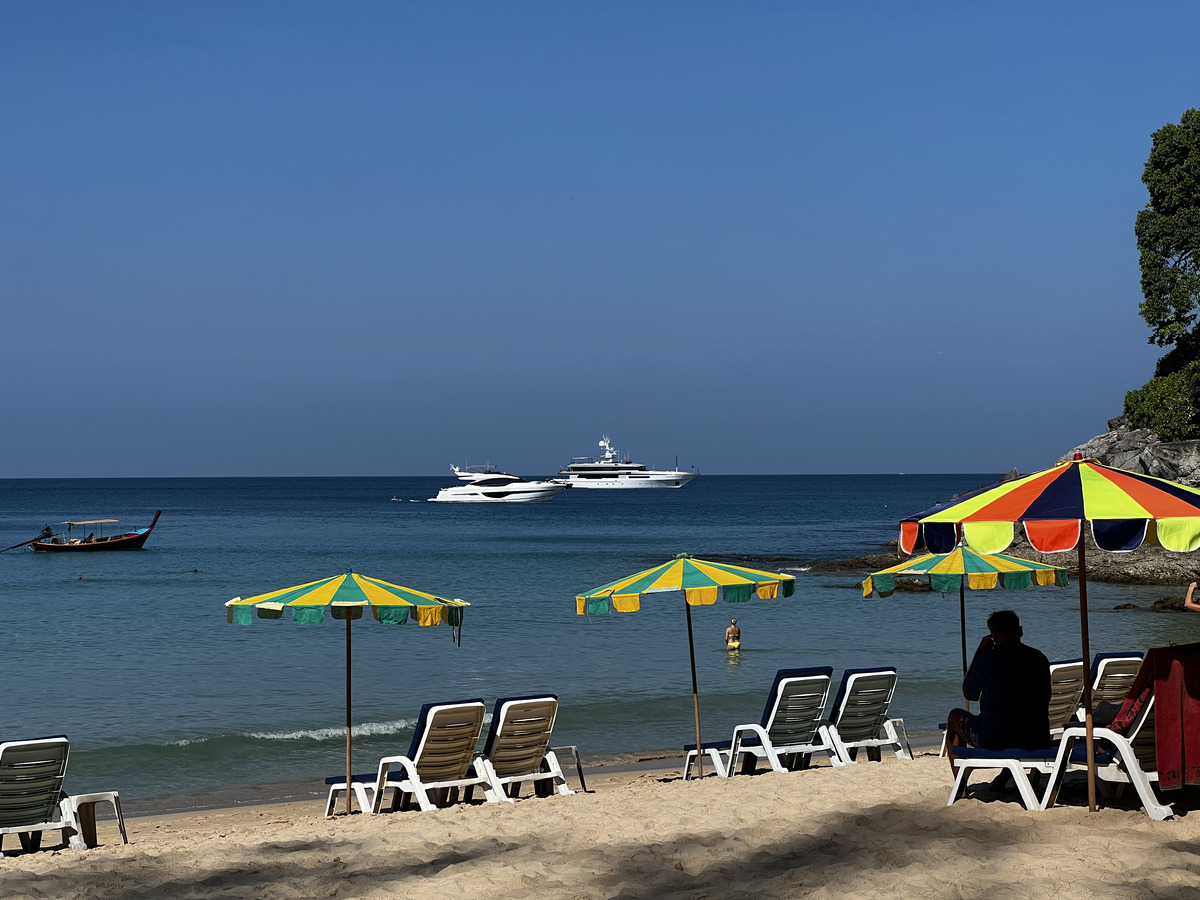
(364, 729)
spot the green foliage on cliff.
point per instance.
(1168, 404)
(1168, 240)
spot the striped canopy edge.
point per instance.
(983, 571)
(346, 596)
(1123, 510)
(701, 582)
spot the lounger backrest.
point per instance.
(796, 704)
(520, 733)
(1142, 739)
(1066, 687)
(31, 778)
(861, 705)
(1112, 674)
(443, 744)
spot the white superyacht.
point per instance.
(485, 485)
(610, 471)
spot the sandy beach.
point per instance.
(871, 830)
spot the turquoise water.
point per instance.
(131, 656)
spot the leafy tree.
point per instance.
(1168, 239)
(1168, 404)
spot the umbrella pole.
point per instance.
(695, 693)
(962, 619)
(962, 625)
(1087, 683)
(348, 713)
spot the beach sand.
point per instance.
(870, 830)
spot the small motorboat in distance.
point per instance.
(485, 485)
(130, 540)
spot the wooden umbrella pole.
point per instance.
(962, 619)
(1087, 681)
(962, 625)
(348, 713)
(695, 693)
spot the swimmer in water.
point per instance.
(733, 636)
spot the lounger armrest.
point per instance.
(386, 773)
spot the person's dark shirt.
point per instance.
(1014, 682)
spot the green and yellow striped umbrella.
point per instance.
(962, 568)
(701, 583)
(346, 596)
(983, 572)
(350, 594)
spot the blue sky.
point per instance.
(377, 238)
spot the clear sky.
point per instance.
(377, 238)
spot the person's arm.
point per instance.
(973, 683)
(1188, 602)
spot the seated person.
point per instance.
(1011, 681)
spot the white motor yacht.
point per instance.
(610, 471)
(483, 484)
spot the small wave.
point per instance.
(798, 569)
(365, 729)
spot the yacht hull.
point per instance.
(629, 480)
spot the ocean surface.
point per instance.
(130, 654)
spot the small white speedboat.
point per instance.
(483, 484)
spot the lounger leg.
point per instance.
(896, 734)
(557, 780)
(30, 840)
(960, 784)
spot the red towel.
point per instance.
(1173, 674)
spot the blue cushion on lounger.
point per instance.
(982, 753)
(369, 778)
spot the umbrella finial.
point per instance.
(1077, 456)
(683, 556)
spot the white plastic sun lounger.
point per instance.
(438, 762)
(789, 732)
(859, 716)
(1121, 759)
(32, 800)
(1112, 674)
(517, 749)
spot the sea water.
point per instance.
(130, 654)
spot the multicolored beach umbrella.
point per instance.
(1124, 510)
(346, 596)
(701, 582)
(962, 568)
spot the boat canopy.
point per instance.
(92, 522)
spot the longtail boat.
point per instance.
(130, 540)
